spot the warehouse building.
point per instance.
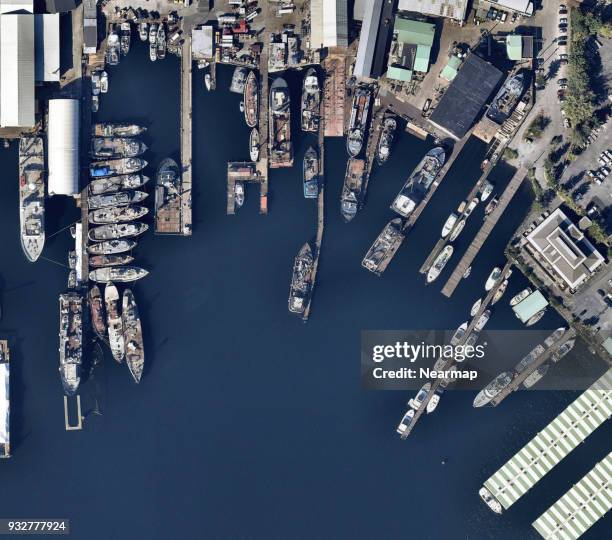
(63, 147)
(450, 9)
(47, 47)
(466, 96)
(367, 39)
(90, 27)
(328, 23)
(411, 48)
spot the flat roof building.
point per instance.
(514, 47)
(411, 48)
(566, 253)
(466, 96)
(531, 305)
(202, 44)
(367, 39)
(16, 6)
(450, 70)
(47, 47)
(17, 70)
(522, 7)
(328, 23)
(90, 27)
(60, 6)
(451, 9)
(63, 146)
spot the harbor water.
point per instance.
(249, 423)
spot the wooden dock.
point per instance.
(484, 232)
(186, 219)
(263, 161)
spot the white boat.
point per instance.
(239, 194)
(535, 318)
(500, 292)
(449, 224)
(143, 31)
(433, 403)
(534, 377)
(520, 296)
(459, 333)
(461, 207)
(467, 273)
(482, 321)
(104, 82)
(208, 81)
(486, 191)
(439, 263)
(115, 323)
(491, 501)
(457, 230)
(417, 400)
(405, 423)
(493, 277)
(470, 208)
(254, 144)
(475, 307)
(563, 350)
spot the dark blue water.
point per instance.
(249, 423)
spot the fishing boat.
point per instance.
(360, 110)
(111, 247)
(500, 292)
(239, 194)
(301, 280)
(115, 323)
(482, 321)
(535, 318)
(70, 341)
(352, 189)
(122, 198)
(459, 333)
(281, 147)
(117, 214)
(99, 261)
(120, 274)
(117, 130)
(310, 102)
(113, 167)
(457, 230)
(251, 100)
(476, 307)
(112, 184)
(521, 296)
(493, 277)
(116, 147)
(254, 144)
(311, 173)
(126, 37)
(449, 224)
(486, 191)
(115, 231)
(161, 42)
(32, 196)
(132, 336)
(439, 263)
(386, 140)
(96, 306)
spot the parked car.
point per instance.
(562, 9)
(562, 81)
(563, 21)
(562, 29)
(563, 56)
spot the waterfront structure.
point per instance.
(17, 70)
(530, 464)
(530, 306)
(451, 9)
(410, 49)
(202, 42)
(328, 23)
(90, 27)
(563, 250)
(47, 47)
(581, 507)
(367, 39)
(462, 103)
(63, 147)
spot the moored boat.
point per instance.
(405, 422)
(310, 102)
(520, 296)
(482, 321)
(111, 247)
(143, 31)
(120, 274)
(467, 273)
(493, 389)
(5, 399)
(126, 37)
(281, 147)
(71, 341)
(132, 336)
(117, 130)
(384, 247)
(161, 42)
(360, 110)
(115, 323)
(439, 263)
(499, 292)
(301, 280)
(486, 191)
(535, 318)
(491, 206)
(449, 224)
(529, 358)
(457, 230)
(116, 147)
(534, 377)
(122, 198)
(491, 501)
(251, 100)
(208, 82)
(311, 173)
(459, 333)
(114, 231)
(493, 278)
(116, 214)
(254, 144)
(352, 189)
(99, 261)
(417, 401)
(432, 404)
(239, 194)
(113, 167)
(31, 197)
(104, 82)
(386, 139)
(96, 306)
(563, 350)
(475, 307)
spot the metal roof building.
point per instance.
(47, 47)
(16, 6)
(367, 39)
(514, 47)
(581, 507)
(531, 305)
(466, 96)
(328, 23)
(451, 68)
(451, 9)
(412, 47)
(16, 70)
(63, 146)
(530, 464)
(90, 27)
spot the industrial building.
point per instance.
(466, 96)
(451, 9)
(519, 47)
(367, 39)
(563, 250)
(16, 6)
(47, 47)
(202, 42)
(410, 49)
(90, 27)
(63, 147)
(328, 23)
(520, 7)
(17, 70)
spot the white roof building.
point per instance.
(16, 70)
(21, 6)
(202, 43)
(328, 23)
(451, 9)
(63, 146)
(367, 39)
(47, 47)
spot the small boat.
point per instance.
(111, 247)
(239, 193)
(520, 296)
(153, 33)
(311, 173)
(241, 106)
(99, 261)
(439, 263)
(491, 206)
(461, 207)
(104, 82)
(482, 321)
(405, 423)
(115, 324)
(121, 274)
(470, 208)
(563, 350)
(123, 198)
(143, 31)
(486, 191)
(95, 104)
(254, 144)
(491, 501)
(500, 292)
(161, 42)
(208, 82)
(386, 140)
(117, 214)
(433, 402)
(535, 318)
(152, 52)
(96, 307)
(95, 83)
(132, 336)
(493, 277)
(475, 307)
(534, 377)
(459, 333)
(457, 230)
(467, 273)
(554, 337)
(126, 37)
(114, 231)
(422, 394)
(449, 224)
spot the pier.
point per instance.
(372, 145)
(79, 418)
(484, 232)
(185, 225)
(241, 171)
(263, 161)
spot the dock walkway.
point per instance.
(186, 138)
(263, 162)
(484, 232)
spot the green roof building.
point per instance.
(514, 47)
(414, 41)
(399, 74)
(527, 308)
(451, 69)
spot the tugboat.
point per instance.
(31, 197)
(360, 110)
(301, 280)
(310, 102)
(111, 247)
(97, 312)
(117, 214)
(70, 341)
(311, 174)
(254, 144)
(386, 139)
(132, 336)
(120, 274)
(113, 184)
(126, 36)
(439, 263)
(115, 324)
(251, 100)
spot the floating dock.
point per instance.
(185, 225)
(484, 232)
(79, 416)
(530, 464)
(241, 171)
(581, 507)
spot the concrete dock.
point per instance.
(263, 162)
(484, 232)
(186, 219)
